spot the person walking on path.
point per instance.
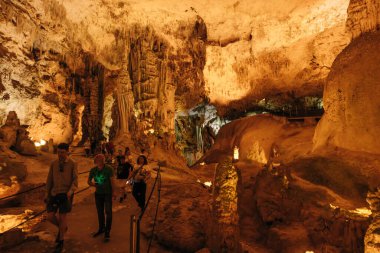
(61, 183)
(102, 178)
(123, 171)
(140, 177)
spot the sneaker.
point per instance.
(107, 237)
(96, 234)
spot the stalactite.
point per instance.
(125, 101)
(148, 77)
(94, 100)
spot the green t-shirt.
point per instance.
(102, 179)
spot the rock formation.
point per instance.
(224, 231)
(162, 61)
(80, 71)
(372, 237)
(352, 83)
(363, 16)
(15, 136)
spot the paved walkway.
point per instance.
(82, 222)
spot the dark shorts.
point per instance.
(59, 202)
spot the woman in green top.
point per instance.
(102, 178)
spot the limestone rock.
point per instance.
(9, 131)
(27, 147)
(363, 16)
(12, 174)
(181, 223)
(224, 234)
(67, 57)
(297, 216)
(372, 237)
(8, 135)
(12, 120)
(352, 82)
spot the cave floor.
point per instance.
(83, 219)
(176, 181)
(82, 222)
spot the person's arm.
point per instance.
(132, 175)
(90, 177)
(49, 182)
(74, 181)
(148, 175)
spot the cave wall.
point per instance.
(156, 80)
(57, 57)
(363, 16)
(46, 75)
(163, 57)
(351, 98)
(281, 51)
(352, 89)
(224, 231)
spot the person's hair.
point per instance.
(145, 160)
(142, 150)
(127, 149)
(64, 146)
(100, 156)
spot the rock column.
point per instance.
(224, 235)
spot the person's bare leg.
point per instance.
(52, 218)
(62, 225)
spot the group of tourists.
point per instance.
(62, 182)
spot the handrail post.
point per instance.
(138, 236)
(134, 235)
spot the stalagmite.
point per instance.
(224, 233)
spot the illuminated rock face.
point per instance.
(224, 232)
(276, 49)
(372, 237)
(363, 16)
(351, 99)
(58, 57)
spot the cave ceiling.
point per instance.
(226, 52)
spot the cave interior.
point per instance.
(259, 120)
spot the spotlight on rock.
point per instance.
(208, 184)
(236, 153)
